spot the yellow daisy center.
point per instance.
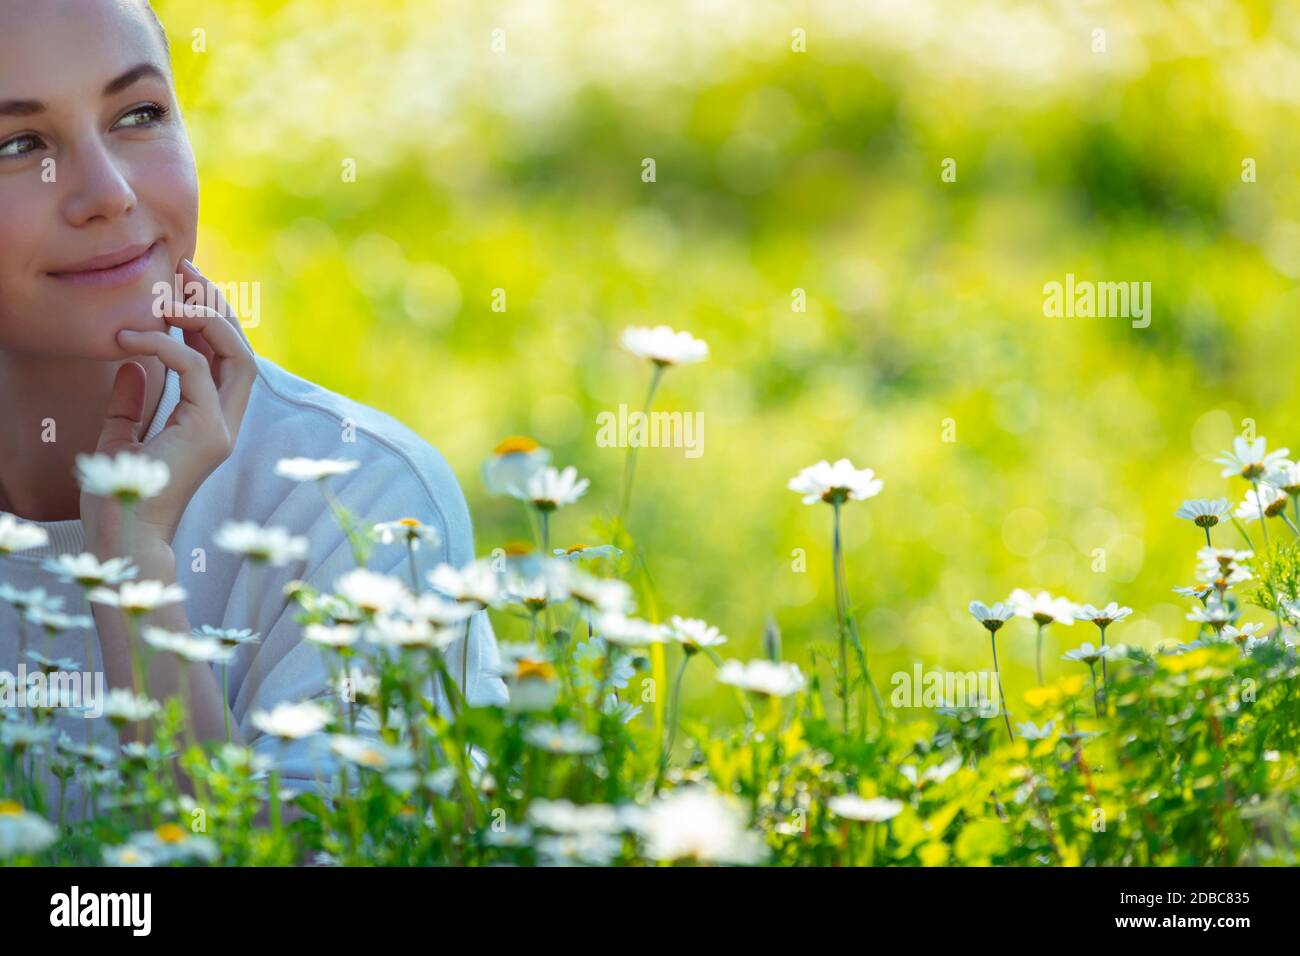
(170, 833)
(541, 670)
(8, 808)
(516, 444)
(409, 522)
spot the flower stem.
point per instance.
(674, 710)
(1104, 688)
(836, 550)
(629, 466)
(997, 673)
(1263, 518)
(1242, 531)
(1038, 658)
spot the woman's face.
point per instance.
(98, 191)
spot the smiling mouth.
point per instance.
(114, 269)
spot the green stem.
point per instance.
(1038, 658)
(629, 466)
(997, 673)
(674, 707)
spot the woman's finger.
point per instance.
(123, 420)
(234, 368)
(213, 297)
(197, 387)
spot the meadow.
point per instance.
(454, 212)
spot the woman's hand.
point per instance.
(217, 370)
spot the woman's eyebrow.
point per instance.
(130, 77)
(134, 75)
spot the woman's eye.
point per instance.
(19, 146)
(149, 114)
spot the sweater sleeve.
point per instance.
(284, 668)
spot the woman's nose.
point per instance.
(99, 187)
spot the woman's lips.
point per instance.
(115, 269)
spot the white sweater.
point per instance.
(400, 476)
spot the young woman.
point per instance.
(99, 201)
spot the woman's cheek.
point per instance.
(170, 192)
(25, 246)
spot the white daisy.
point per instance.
(629, 631)
(1042, 607)
(127, 477)
(228, 636)
(126, 856)
(512, 463)
(664, 346)
(18, 535)
(549, 489)
(1250, 459)
(1286, 477)
(1112, 613)
(370, 591)
(763, 677)
(439, 611)
(274, 546)
(694, 634)
(1030, 731)
(408, 531)
(835, 483)
(172, 843)
(359, 686)
(992, 617)
(138, 597)
(23, 833)
(88, 571)
(291, 721)
(1214, 613)
(396, 631)
(1204, 512)
(1262, 502)
(565, 738)
(853, 807)
(600, 595)
(476, 584)
(56, 622)
(1087, 654)
(370, 754)
(25, 601)
(331, 635)
(585, 552)
(529, 677)
(695, 825)
(187, 646)
(123, 706)
(313, 469)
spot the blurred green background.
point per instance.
(512, 160)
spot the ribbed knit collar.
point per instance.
(68, 537)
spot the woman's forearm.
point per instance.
(206, 709)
